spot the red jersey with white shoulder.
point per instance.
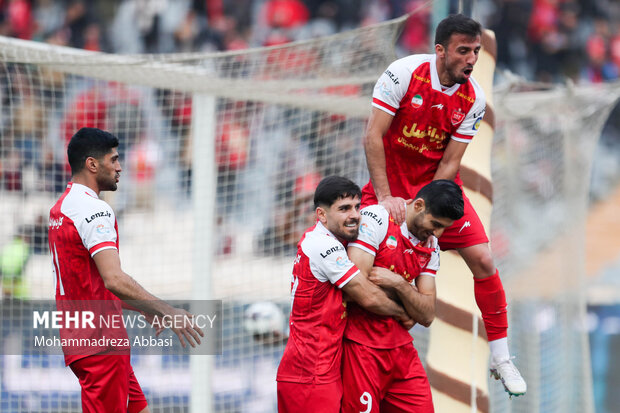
(80, 226)
(396, 249)
(426, 117)
(318, 314)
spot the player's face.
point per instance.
(425, 224)
(109, 171)
(459, 58)
(343, 218)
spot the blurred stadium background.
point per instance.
(222, 145)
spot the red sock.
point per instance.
(491, 300)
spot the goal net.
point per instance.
(543, 152)
(221, 154)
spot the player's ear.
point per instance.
(91, 164)
(419, 205)
(439, 50)
(321, 215)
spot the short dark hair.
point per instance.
(333, 188)
(89, 142)
(443, 198)
(456, 23)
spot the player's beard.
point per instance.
(418, 229)
(107, 183)
(455, 73)
(346, 235)
(457, 76)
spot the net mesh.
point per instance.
(284, 117)
(542, 155)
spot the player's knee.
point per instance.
(484, 265)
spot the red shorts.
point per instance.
(108, 384)
(465, 232)
(309, 397)
(386, 380)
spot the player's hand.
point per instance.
(408, 324)
(406, 321)
(185, 327)
(396, 207)
(385, 278)
(150, 318)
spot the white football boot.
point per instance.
(510, 377)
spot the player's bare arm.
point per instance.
(378, 125)
(451, 160)
(419, 300)
(127, 289)
(368, 294)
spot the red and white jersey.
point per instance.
(396, 249)
(318, 313)
(80, 226)
(426, 117)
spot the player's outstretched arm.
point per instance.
(378, 125)
(369, 295)
(127, 289)
(451, 160)
(419, 300)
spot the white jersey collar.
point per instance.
(84, 188)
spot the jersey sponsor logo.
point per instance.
(373, 216)
(477, 124)
(332, 250)
(417, 101)
(435, 135)
(55, 223)
(391, 242)
(393, 77)
(417, 148)
(464, 96)
(479, 114)
(384, 91)
(438, 106)
(341, 262)
(98, 215)
(421, 79)
(364, 229)
(102, 229)
(457, 116)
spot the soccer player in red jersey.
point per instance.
(381, 368)
(83, 241)
(309, 378)
(426, 109)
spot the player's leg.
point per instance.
(488, 290)
(309, 397)
(137, 401)
(410, 390)
(468, 237)
(104, 380)
(365, 371)
(491, 299)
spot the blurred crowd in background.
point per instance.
(544, 40)
(540, 40)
